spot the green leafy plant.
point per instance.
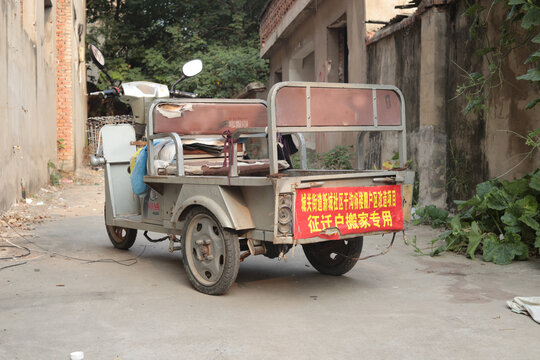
(54, 174)
(519, 28)
(502, 221)
(337, 158)
(431, 215)
(154, 47)
(393, 163)
(532, 139)
(60, 143)
(459, 173)
(474, 90)
(417, 248)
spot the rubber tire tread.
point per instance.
(312, 252)
(128, 241)
(231, 261)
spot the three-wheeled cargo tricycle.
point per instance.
(217, 206)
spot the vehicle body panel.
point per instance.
(253, 206)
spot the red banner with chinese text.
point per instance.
(351, 210)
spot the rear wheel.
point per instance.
(335, 257)
(121, 238)
(211, 253)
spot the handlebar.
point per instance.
(178, 93)
(106, 93)
(116, 92)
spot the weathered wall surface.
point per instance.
(387, 64)
(27, 97)
(414, 60)
(453, 152)
(295, 38)
(480, 146)
(506, 112)
(466, 156)
(427, 56)
(303, 46)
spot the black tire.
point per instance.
(121, 238)
(335, 257)
(211, 253)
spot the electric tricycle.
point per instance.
(216, 180)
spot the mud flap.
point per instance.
(117, 151)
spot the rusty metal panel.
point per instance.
(341, 107)
(388, 108)
(207, 118)
(331, 106)
(291, 106)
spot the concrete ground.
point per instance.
(399, 305)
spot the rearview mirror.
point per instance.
(97, 56)
(192, 68)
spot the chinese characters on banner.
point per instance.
(352, 210)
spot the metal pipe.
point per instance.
(96, 160)
(244, 255)
(178, 147)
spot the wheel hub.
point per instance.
(206, 249)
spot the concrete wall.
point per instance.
(312, 36)
(426, 59)
(302, 48)
(307, 28)
(466, 134)
(481, 143)
(383, 10)
(27, 97)
(387, 64)
(503, 150)
(425, 56)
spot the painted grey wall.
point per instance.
(27, 97)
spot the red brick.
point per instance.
(64, 105)
(272, 17)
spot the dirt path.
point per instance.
(81, 194)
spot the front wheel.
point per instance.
(334, 257)
(211, 253)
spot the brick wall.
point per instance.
(64, 95)
(272, 16)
